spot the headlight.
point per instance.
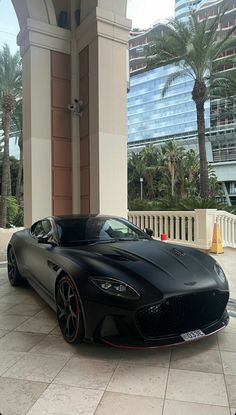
(116, 288)
(219, 271)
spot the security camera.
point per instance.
(76, 108)
(71, 107)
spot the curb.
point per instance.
(3, 264)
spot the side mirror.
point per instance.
(43, 239)
(148, 231)
(46, 239)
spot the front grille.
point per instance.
(181, 314)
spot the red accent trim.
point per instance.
(135, 347)
(156, 347)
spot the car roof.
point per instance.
(77, 216)
(82, 216)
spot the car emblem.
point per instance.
(177, 252)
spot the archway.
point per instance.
(74, 52)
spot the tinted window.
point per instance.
(73, 231)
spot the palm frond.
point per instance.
(10, 73)
(170, 80)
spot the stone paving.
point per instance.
(41, 374)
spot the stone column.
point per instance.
(204, 225)
(102, 48)
(37, 40)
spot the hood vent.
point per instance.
(120, 257)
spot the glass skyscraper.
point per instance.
(154, 119)
(151, 116)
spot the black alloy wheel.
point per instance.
(68, 311)
(14, 276)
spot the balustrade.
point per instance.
(193, 228)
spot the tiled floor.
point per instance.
(40, 374)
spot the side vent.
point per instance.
(53, 266)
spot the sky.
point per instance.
(9, 27)
(143, 13)
(146, 12)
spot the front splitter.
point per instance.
(133, 343)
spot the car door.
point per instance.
(40, 254)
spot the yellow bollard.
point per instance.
(216, 247)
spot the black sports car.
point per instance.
(110, 281)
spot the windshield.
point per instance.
(96, 229)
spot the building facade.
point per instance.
(184, 7)
(74, 56)
(150, 115)
(138, 41)
(155, 119)
(222, 133)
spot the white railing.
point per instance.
(192, 228)
(227, 223)
(179, 226)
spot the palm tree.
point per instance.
(18, 124)
(143, 165)
(191, 170)
(136, 169)
(150, 156)
(172, 153)
(194, 48)
(10, 91)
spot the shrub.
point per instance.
(15, 213)
(138, 204)
(176, 204)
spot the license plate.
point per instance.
(192, 335)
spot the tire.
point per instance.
(69, 313)
(14, 275)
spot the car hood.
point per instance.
(168, 267)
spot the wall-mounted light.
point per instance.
(76, 108)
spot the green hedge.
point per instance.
(15, 212)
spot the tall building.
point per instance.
(154, 119)
(138, 40)
(222, 110)
(222, 133)
(184, 7)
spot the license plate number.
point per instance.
(191, 335)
